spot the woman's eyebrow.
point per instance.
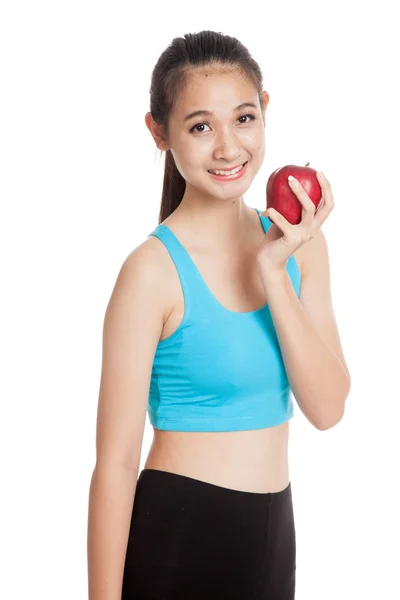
(207, 113)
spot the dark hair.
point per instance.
(220, 52)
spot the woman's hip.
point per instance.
(191, 536)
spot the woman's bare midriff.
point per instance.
(253, 461)
(249, 460)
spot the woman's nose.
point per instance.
(227, 146)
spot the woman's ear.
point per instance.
(156, 131)
(265, 104)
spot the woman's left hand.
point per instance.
(283, 238)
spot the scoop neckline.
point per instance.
(217, 302)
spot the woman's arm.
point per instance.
(132, 328)
(111, 497)
(308, 336)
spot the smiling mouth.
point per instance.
(228, 171)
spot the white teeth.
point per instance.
(219, 172)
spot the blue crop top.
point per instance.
(221, 370)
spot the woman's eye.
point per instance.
(194, 128)
(198, 125)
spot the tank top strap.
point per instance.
(266, 223)
(195, 293)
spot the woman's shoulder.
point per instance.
(147, 266)
(148, 255)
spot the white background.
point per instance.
(81, 188)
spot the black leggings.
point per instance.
(190, 539)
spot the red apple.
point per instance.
(281, 197)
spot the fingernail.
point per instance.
(321, 174)
(292, 180)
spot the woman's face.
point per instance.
(222, 140)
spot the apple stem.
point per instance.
(307, 164)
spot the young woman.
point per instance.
(214, 319)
